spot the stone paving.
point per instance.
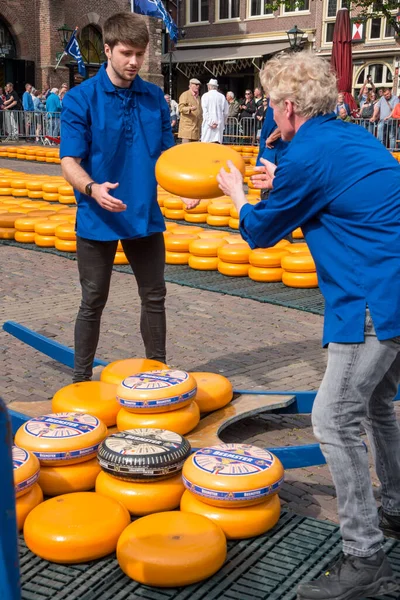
(255, 345)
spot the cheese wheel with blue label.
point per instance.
(24, 504)
(143, 454)
(232, 475)
(156, 391)
(181, 420)
(62, 438)
(237, 523)
(26, 470)
(118, 370)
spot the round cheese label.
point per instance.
(143, 442)
(19, 457)
(153, 380)
(61, 425)
(233, 459)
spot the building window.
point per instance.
(381, 76)
(198, 11)
(229, 9)
(330, 28)
(296, 6)
(7, 44)
(332, 6)
(258, 8)
(379, 28)
(91, 45)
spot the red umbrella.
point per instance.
(341, 61)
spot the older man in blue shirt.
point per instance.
(114, 128)
(342, 187)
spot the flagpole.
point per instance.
(59, 60)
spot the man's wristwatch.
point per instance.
(88, 188)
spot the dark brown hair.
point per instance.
(126, 28)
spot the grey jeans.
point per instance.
(95, 262)
(357, 391)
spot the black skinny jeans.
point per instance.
(146, 257)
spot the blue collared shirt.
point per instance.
(342, 187)
(27, 101)
(53, 104)
(272, 154)
(119, 135)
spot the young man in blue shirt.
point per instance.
(342, 187)
(114, 127)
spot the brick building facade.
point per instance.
(29, 40)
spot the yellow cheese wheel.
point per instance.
(297, 234)
(216, 221)
(180, 242)
(185, 229)
(160, 202)
(45, 241)
(234, 238)
(34, 185)
(117, 371)
(178, 214)
(213, 391)
(26, 223)
(299, 263)
(142, 498)
(196, 218)
(7, 233)
(5, 182)
(265, 274)
(300, 247)
(25, 237)
(34, 204)
(177, 258)
(50, 187)
(233, 223)
(10, 201)
(233, 270)
(65, 190)
(66, 199)
(65, 245)
(219, 209)
(235, 253)
(5, 191)
(62, 438)
(35, 195)
(50, 197)
(200, 209)
(18, 183)
(156, 391)
(17, 193)
(232, 475)
(55, 481)
(46, 227)
(173, 203)
(96, 398)
(57, 218)
(65, 232)
(180, 421)
(43, 213)
(233, 212)
(206, 246)
(267, 257)
(236, 523)
(120, 259)
(283, 244)
(300, 280)
(24, 504)
(26, 470)
(171, 549)
(203, 263)
(208, 233)
(75, 528)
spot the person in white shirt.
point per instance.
(215, 113)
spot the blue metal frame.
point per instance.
(9, 561)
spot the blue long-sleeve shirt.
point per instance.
(53, 104)
(119, 135)
(279, 146)
(27, 101)
(342, 187)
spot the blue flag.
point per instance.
(155, 8)
(72, 48)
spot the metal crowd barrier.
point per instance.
(387, 132)
(35, 126)
(240, 131)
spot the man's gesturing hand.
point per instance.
(190, 202)
(104, 199)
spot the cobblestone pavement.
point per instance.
(255, 345)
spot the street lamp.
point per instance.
(296, 38)
(65, 33)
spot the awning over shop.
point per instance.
(224, 53)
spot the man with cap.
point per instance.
(190, 113)
(215, 113)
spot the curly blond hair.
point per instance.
(303, 78)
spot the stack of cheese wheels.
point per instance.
(141, 468)
(66, 445)
(198, 214)
(204, 253)
(219, 213)
(119, 370)
(171, 549)
(66, 194)
(27, 491)
(7, 223)
(173, 208)
(213, 391)
(75, 528)
(161, 399)
(45, 230)
(234, 485)
(266, 264)
(25, 229)
(234, 260)
(65, 238)
(120, 257)
(299, 268)
(177, 247)
(234, 220)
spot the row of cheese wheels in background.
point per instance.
(50, 188)
(36, 153)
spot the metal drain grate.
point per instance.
(269, 567)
